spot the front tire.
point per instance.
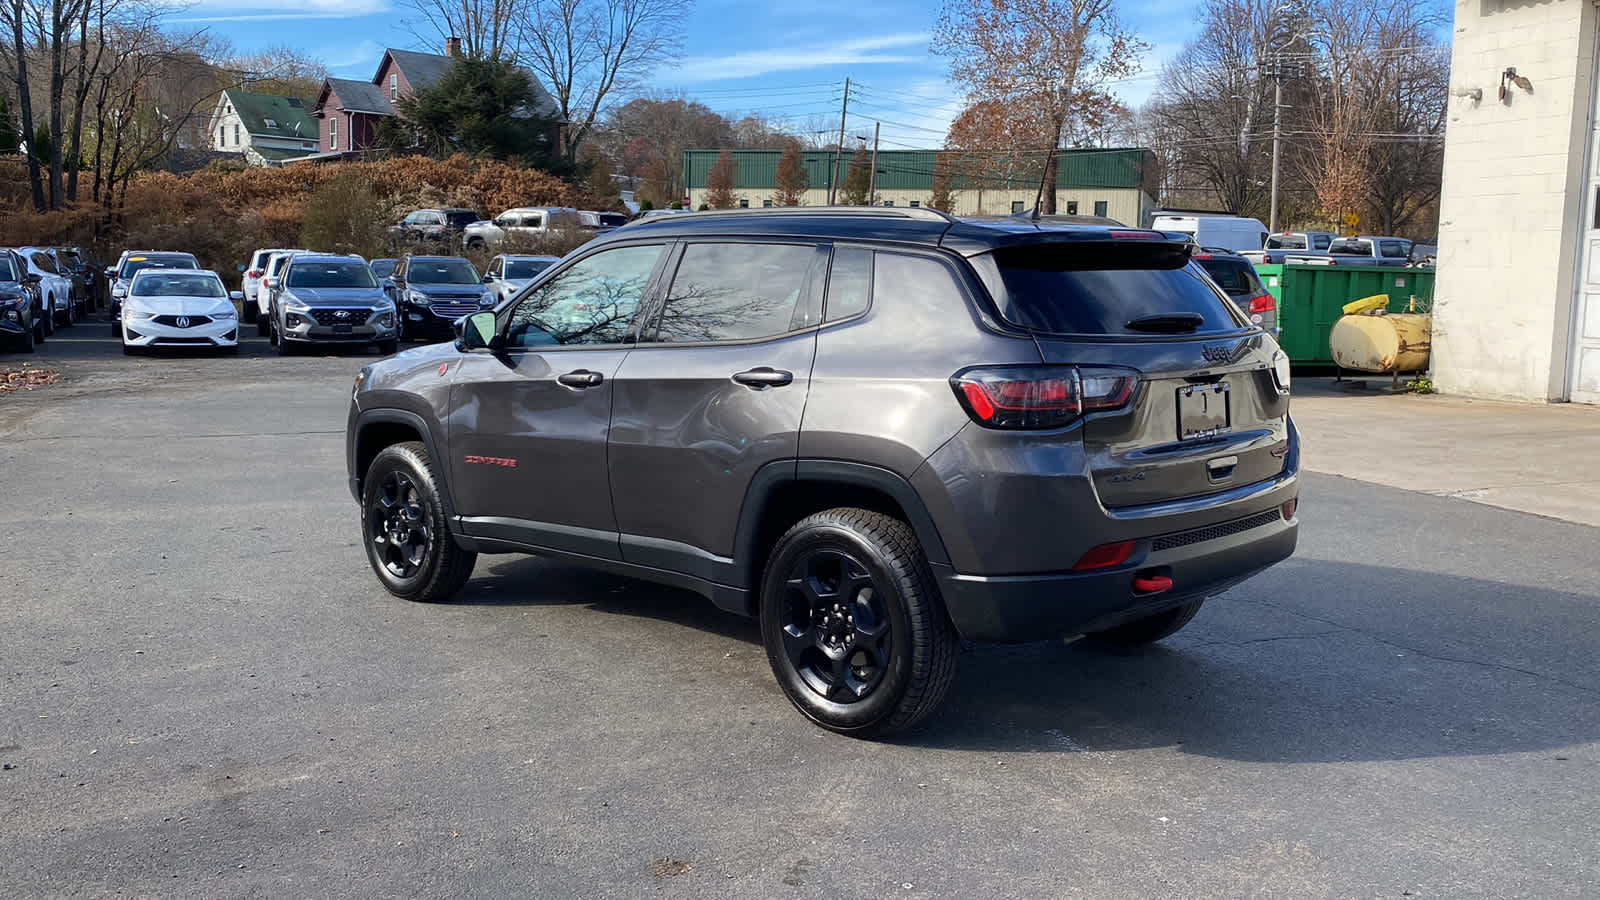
(27, 342)
(403, 527)
(388, 348)
(1150, 629)
(853, 624)
(247, 309)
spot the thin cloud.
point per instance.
(207, 11)
(861, 51)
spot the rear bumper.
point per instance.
(1019, 608)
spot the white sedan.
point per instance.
(179, 308)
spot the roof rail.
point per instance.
(925, 213)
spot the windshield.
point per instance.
(68, 258)
(383, 268)
(1286, 242)
(135, 264)
(179, 284)
(350, 274)
(441, 271)
(1100, 287)
(7, 271)
(1351, 247)
(1233, 275)
(517, 269)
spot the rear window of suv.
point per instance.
(1099, 287)
(1232, 274)
(1351, 247)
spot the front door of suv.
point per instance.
(713, 392)
(527, 424)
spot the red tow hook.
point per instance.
(1151, 584)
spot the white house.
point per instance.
(1517, 300)
(265, 128)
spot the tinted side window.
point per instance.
(1392, 248)
(592, 302)
(849, 283)
(1321, 241)
(736, 292)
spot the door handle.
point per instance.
(582, 378)
(763, 377)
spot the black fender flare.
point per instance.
(441, 469)
(773, 475)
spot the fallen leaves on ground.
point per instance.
(667, 867)
(25, 378)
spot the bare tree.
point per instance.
(1042, 61)
(589, 51)
(487, 29)
(17, 16)
(281, 70)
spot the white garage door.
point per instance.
(1585, 374)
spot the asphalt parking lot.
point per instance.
(204, 692)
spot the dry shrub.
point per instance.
(223, 212)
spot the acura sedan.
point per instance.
(179, 308)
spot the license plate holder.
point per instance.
(1204, 410)
(342, 329)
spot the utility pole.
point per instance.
(1277, 142)
(872, 177)
(838, 151)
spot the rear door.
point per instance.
(713, 392)
(527, 425)
(1206, 413)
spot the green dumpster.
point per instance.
(1311, 298)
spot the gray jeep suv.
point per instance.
(876, 430)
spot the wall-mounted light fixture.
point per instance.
(1510, 75)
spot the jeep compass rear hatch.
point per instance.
(1180, 397)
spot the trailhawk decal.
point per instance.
(500, 461)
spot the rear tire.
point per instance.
(247, 309)
(1149, 629)
(853, 624)
(404, 529)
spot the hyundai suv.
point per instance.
(875, 430)
(326, 299)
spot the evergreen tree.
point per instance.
(792, 180)
(719, 182)
(858, 181)
(481, 107)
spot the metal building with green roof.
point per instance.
(1118, 183)
(267, 129)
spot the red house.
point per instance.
(348, 112)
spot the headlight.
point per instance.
(291, 302)
(416, 299)
(225, 314)
(486, 300)
(384, 305)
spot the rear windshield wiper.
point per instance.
(1167, 323)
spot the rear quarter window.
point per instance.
(1099, 287)
(1233, 275)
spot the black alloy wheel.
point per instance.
(398, 523)
(406, 533)
(835, 626)
(853, 624)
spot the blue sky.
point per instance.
(785, 60)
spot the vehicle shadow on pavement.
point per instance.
(1286, 675)
(532, 581)
(1264, 674)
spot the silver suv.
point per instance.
(327, 299)
(876, 430)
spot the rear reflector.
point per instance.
(1262, 303)
(1289, 509)
(1105, 556)
(1037, 397)
(1152, 584)
(1137, 235)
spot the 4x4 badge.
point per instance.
(1217, 353)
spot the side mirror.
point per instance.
(236, 296)
(111, 272)
(488, 279)
(476, 332)
(239, 268)
(32, 278)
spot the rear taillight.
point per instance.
(1263, 303)
(1037, 397)
(253, 273)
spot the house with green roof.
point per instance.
(265, 128)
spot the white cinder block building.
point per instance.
(1517, 301)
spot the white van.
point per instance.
(1222, 232)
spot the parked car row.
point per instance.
(42, 289)
(453, 226)
(1239, 234)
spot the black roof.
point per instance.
(906, 225)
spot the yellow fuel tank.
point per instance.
(1398, 342)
